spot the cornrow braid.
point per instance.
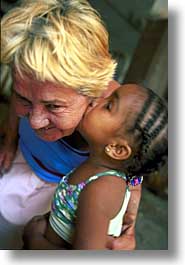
(145, 109)
(151, 128)
(159, 127)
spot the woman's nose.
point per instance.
(38, 118)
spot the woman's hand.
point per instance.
(127, 240)
(9, 139)
(7, 154)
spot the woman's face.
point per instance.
(53, 111)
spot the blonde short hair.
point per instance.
(64, 42)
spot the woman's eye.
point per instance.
(108, 106)
(23, 101)
(26, 104)
(53, 107)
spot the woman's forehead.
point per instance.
(47, 91)
(27, 81)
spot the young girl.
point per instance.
(127, 136)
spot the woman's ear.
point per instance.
(119, 151)
(112, 86)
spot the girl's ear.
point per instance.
(119, 151)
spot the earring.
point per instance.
(107, 149)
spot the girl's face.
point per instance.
(53, 111)
(102, 123)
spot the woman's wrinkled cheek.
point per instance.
(66, 123)
(70, 118)
(21, 110)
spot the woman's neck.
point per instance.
(77, 141)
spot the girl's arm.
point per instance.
(99, 202)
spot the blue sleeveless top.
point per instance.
(57, 157)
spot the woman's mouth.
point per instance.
(48, 128)
(45, 129)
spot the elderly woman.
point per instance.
(59, 55)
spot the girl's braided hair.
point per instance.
(150, 142)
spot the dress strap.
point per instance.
(107, 173)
